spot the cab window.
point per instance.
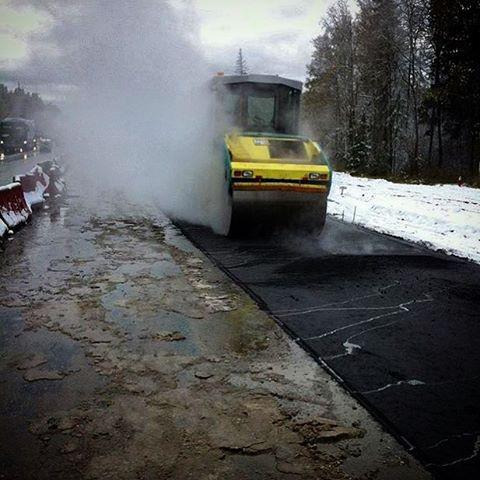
(261, 112)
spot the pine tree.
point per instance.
(241, 64)
(378, 59)
(330, 88)
(454, 97)
(396, 88)
(414, 15)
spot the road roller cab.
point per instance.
(270, 170)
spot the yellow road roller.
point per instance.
(272, 174)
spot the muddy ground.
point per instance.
(126, 355)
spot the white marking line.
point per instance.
(413, 383)
(402, 307)
(475, 452)
(351, 347)
(451, 437)
(361, 322)
(293, 312)
(416, 383)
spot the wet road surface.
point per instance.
(125, 354)
(13, 165)
(397, 324)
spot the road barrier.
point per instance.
(34, 185)
(28, 190)
(56, 185)
(13, 206)
(3, 229)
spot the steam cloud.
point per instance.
(140, 120)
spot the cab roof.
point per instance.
(258, 78)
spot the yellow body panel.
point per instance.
(284, 171)
(250, 149)
(244, 149)
(252, 153)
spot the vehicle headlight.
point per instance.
(24, 142)
(247, 173)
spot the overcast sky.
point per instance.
(275, 36)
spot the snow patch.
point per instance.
(3, 229)
(35, 197)
(13, 207)
(442, 217)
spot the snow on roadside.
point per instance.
(14, 211)
(442, 217)
(35, 197)
(3, 228)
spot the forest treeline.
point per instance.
(394, 89)
(20, 103)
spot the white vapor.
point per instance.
(140, 121)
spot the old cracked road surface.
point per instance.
(397, 324)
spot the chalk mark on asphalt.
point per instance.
(414, 383)
(294, 312)
(402, 307)
(475, 453)
(351, 347)
(417, 383)
(451, 437)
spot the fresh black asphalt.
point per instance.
(398, 325)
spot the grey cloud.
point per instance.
(265, 56)
(89, 34)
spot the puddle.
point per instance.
(124, 309)
(11, 324)
(164, 269)
(42, 354)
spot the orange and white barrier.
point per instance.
(56, 186)
(28, 190)
(14, 209)
(34, 185)
(3, 229)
